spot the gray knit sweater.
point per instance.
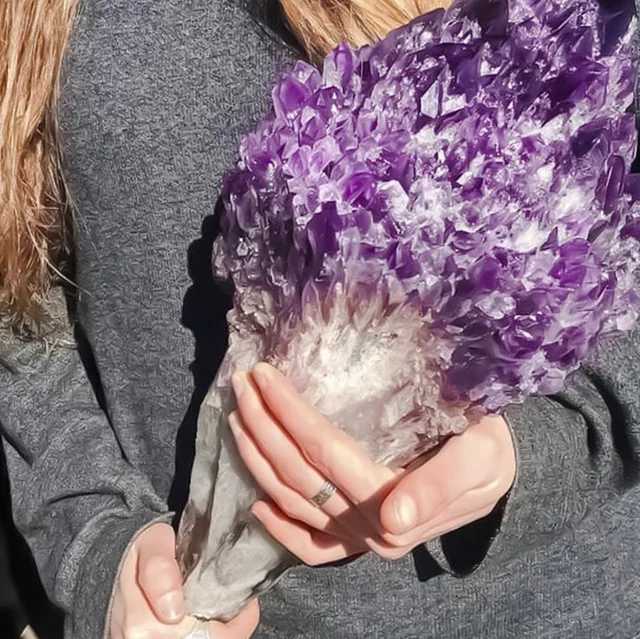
(99, 425)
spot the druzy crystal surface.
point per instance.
(422, 231)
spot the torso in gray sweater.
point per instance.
(156, 95)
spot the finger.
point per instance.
(472, 505)
(422, 535)
(360, 542)
(290, 464)
(132, 615)
(158, 574)
(291, 481)
(241, 627)
(464, 509)
(314, 548)
(288, 500)
(458, 515)
(282, 453)
(337, 456)
(127, 572)
(132, 611)
(466, 463)
(278, 447)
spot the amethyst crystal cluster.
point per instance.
(423, 231)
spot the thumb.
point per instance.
(158, 573)
(464, 463)
(425, 489)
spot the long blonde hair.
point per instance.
(33, 39)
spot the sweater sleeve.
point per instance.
(76, 499)
(578, 452)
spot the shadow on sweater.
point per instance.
(204, 313)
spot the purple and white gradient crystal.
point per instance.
(423, 231)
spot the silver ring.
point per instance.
(324, 494)
(199, 631)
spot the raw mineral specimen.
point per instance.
(423, 231)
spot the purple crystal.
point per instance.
(423, 231)
(475, 160)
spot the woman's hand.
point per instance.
(291, 450)
(148, 602)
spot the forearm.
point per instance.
(76, 499)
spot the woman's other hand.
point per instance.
(148, 601)
(291, 450)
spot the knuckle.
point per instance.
(288, 507)
(487, 446)
(487, 453)
(288, 476)
(150, 571)
(322, 454)
(499, 485)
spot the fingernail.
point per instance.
(239, 384)
(171, 606)
(406, 512)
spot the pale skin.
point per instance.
(148, 602)
(290, 448)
